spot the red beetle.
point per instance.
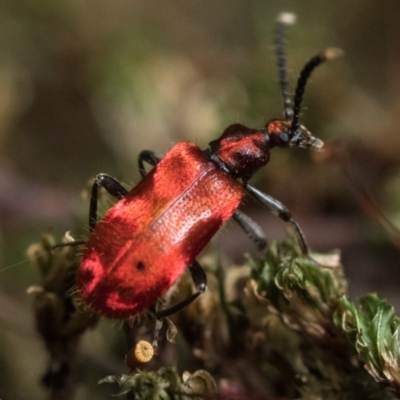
(154, 232)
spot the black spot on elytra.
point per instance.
(140, 266)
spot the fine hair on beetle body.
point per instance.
(155, 231)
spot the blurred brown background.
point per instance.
(84, 86)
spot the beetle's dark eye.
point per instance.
(284, 138)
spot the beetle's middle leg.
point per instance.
(281, 211)
(252, 229)
(150, 157)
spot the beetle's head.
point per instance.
(282, 134)
(289, 132)
(242, 150)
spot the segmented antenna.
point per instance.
(283, 20)
(305, 73)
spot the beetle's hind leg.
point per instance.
(112, 186)
(200, 280)
(281, 211)
(252, 229)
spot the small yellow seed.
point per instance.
(144, 351)
(140, 354)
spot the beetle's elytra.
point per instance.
(154, 232)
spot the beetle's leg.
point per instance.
(252, 229)
(157, 328)
(200, 280)
(112, 186)
(281, 211)
(150, 157)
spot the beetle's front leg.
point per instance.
(281, 211)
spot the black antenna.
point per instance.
(283, 20)
(326, 55)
